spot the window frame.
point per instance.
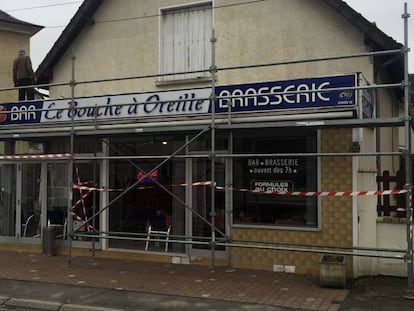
(273, 226)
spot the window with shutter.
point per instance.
(185, 47)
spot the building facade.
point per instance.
(14, 34)
(211, 122)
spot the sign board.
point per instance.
(367, 100)
(284, 95)
(299, 94)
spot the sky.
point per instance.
(55, 14)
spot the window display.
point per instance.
(268, 169)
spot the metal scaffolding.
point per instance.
(226, 123)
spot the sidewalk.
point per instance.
(269, 290)
(379, 293)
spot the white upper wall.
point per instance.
(125, 38)
(284, 30)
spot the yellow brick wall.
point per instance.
(10, 42)
(336, 217)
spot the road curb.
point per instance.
(71, 307)
(33, 304)
(48, 305)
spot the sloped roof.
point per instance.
(368, 28)
(373, 35)
(11, 23)
(82, 17)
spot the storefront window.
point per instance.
(31, 199)
(148, 200)
(86, 203)
(275, 173)
(7, 199)
(57, 197)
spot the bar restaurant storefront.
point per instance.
(138, 157)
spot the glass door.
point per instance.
(57, 197)
(31, 200)
(7, 199)
(86, 202)
(201, 203)
(26, 204)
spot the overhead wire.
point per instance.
(41, 6)
(130, 18)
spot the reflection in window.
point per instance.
(57, 197)
(148, 199)
(31, 199)
(276, 174)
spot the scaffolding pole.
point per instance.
(213, 71)
(407, 154)
(269, 245)
(71, 162)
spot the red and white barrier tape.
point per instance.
(106, 189)
(288, 193)
(319, 193)
(76, 186)
(36, 156)
(81, 199)
(200, 183)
